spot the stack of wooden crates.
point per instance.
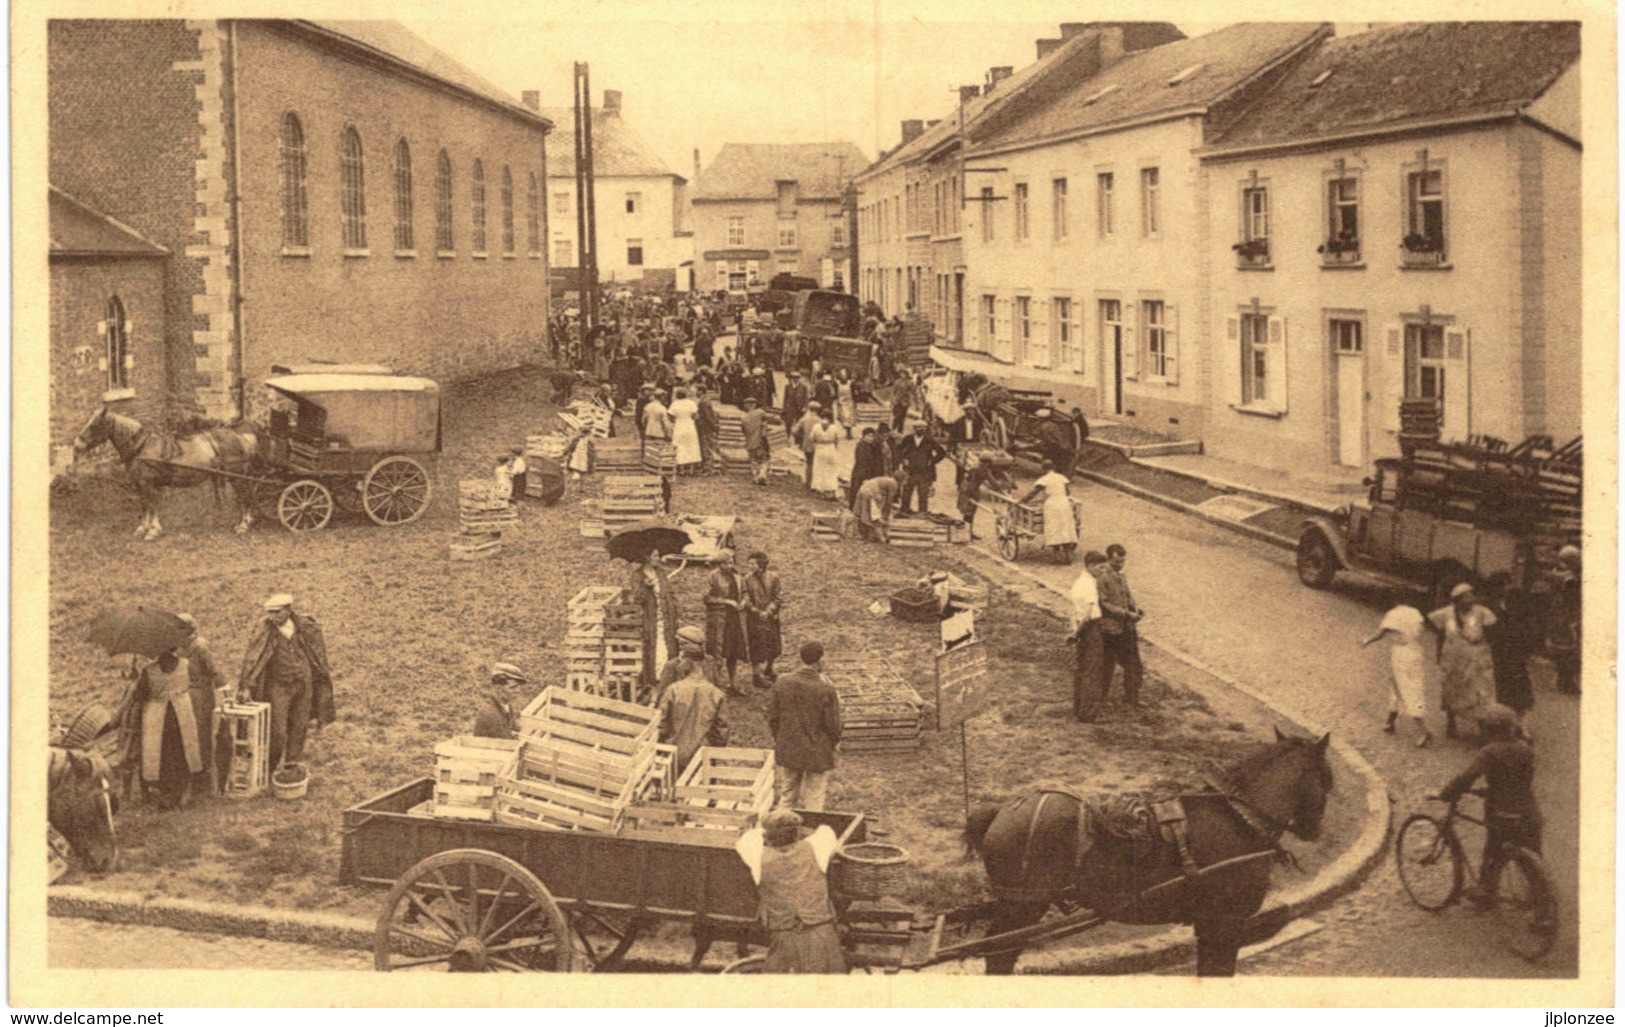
(617, 456)
(721, 792)
(580, 761)
(482, 516)
(603, 651)
(880, 710)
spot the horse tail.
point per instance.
(976, 825)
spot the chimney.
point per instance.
(933, 123)
(997, 75)
(912, 129)
(969, 93)
(696, 163)
(532, 98)
(1048, 46)
(1069, 29)
(612, 101)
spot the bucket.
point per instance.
(290, 781)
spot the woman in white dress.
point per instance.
(825, 439)
(685, 436)
(1060, 524)
(846, 405)
(656, 418)
(1404, 624)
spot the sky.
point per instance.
(698, 75)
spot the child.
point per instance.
(519, 469)
(504, 478)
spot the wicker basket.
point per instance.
(914, 605)
(870, 870)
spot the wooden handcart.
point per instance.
(1015, 523)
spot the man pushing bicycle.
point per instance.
(1511, 815)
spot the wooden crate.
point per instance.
(659, 458)
(728, 778)
(593, 597)
(474, 547)
(470, 760)
(642, 817)
(660, 781)
(249, 724)
(825, 526)
(551, 446)
(587, 719)
(617, 456)
(555, 782)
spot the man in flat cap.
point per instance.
(690, 657)
(691, 711)
(804, 714)
(497, 717)
(286, 666)
(792, 880)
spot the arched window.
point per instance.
(403, 196)
(295, 222)
(355, 190)
(117, 345)
(478, 194)
(507, 210)
(533, 223)
(443, 239)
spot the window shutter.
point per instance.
(1277, 367)
(1170, 317)
(1080, 355)
(1230, 360)
(1455, 344)
(1393, 377)
(1456, 385)
(1131, 343)
(1043, 346)
(1002, 341)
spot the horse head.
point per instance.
(80, 804)
(1285, 785)
(95, 432)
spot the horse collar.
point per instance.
(1266, 827)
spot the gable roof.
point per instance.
(751, 171)
(78, 229)
(1204, 71)
(616, 149)
(1410, 73)
(1075, 57)
(394, 41)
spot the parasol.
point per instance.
(636, 541)
(141, 631)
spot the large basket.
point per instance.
(912, 605)
(870, 870)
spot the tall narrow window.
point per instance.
(507, 210)
(787, 235)
(1058, 203)
(355, 190)
(444, 239)
(533, 218)
(1063, 339)
(987, 213)
(1105, 200)
(1255, 339)
(990, 320)
(564, 253)
(1425, 228)
(403, 196)
(634, 252)
(1342, 244)
(736, 231)
(1024, 328)
(561, 203)
(477, 193)
(1254, 248)
(1158, 348)
(633, 202)
(1022, 222)
(1150, 201)
(1424, 361)
(295, 220)
(837, 234)
(117, 346)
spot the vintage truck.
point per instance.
(1444, 513)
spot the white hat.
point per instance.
(279, 601)
(1461, 590)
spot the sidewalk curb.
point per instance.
(1173, 945)
(1335, 880)
(1279, 498)
(1259, 534)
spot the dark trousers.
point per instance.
(1088, 670)
(918, 482)
(1122, 650)
(519, 482)
(290, 720)
(809, 468)
(899, 416)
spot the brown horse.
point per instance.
(80, 803)
(156, 460)
(1036, 855)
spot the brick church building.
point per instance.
(281, 191)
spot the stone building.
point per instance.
(762, 209)
(324, 190)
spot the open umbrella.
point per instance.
(636, 541)
(141, 631)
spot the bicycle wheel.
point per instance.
(1527, 906)
(1431, 864)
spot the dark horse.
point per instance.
(1036, 855)
(80, 803)
(156, 460)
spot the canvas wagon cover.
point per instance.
(383, 413)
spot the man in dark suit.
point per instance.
(1120, 617)
(867, 462)
(804, 714)
(795, 399)
(919, 455)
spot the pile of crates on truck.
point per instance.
(580, 760)
(1534, 488)
(603, 646)
(721, 792)
(880, 710)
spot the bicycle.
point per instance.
(1434, 869)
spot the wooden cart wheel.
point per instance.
(1009, 544)
(748, 965)
(396, 491)
(471, 911)
(306, 505)
(604, 939)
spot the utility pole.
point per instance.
(586, 219)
